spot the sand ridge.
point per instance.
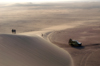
(54, 22)
(21, 50)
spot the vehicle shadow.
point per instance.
(67, 46)
(97, 44)
(62, 45)
(81, 47)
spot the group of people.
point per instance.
(13, 31)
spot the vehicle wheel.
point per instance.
(80, 45)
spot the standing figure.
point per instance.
(70, 41)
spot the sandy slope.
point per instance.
(21, 50)
(18, 50)
(80, 21)
(87, 33)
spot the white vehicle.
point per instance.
(74, 43)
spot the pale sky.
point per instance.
(42, 1)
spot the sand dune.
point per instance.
(79, 21)
(18, 50)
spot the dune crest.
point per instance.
(18, 50)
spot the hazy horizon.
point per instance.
(47, 1)
(33, 16)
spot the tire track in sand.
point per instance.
(85, 58)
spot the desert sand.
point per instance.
(89, 35)
(43, 31)
(19, 50)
